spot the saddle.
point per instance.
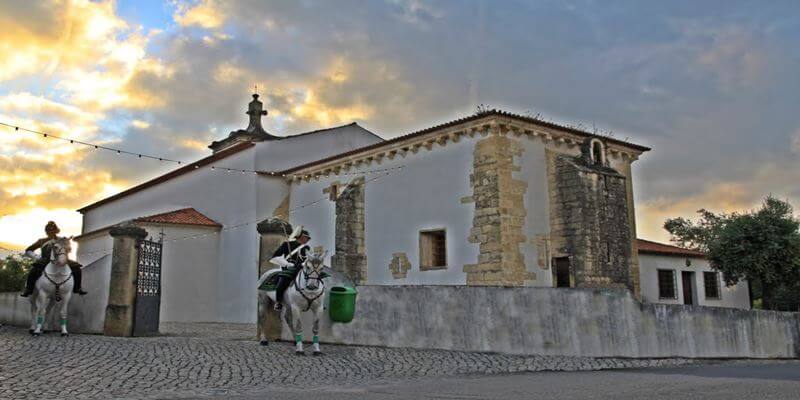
(269, 281)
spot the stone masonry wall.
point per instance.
(589, 221)
(350, 257)
(499, 214)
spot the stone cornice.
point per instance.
(492, 124)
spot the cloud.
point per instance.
(42, 37)
(205, 14)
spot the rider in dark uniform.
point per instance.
(51, 229)
(297, 259)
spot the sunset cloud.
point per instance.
(204, 13)
(712, 90)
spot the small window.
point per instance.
(667, 284)
(433, 249)
(711, 284)
(598, 152)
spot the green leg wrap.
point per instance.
(40, 319)
(63, 322)
(316, 339)
(298, 338)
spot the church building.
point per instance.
(493, 199)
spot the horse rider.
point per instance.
(291, 256)
(37, 268)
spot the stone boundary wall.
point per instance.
(550, 321)
(86, 313)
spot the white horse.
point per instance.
(306, 293)
(56, 283)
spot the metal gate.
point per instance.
(148, 288)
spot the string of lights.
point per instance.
(291, 211)
(95, 146)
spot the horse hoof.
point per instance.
(264, 342)
(317, 353)
(64, 334)
(36, 334)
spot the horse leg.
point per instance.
(297, 328)
(64, 312)
(41, 308)
(33, 312)
(315, 330)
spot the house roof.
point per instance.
(183, 216)
(324, 130)
(445, 125)
(172, 174)
(208, 160)
(650, 247)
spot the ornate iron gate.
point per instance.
(148, 288)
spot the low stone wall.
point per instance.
(574, 322)
(86, 313)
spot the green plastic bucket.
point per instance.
(342, 304)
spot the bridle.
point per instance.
(58, 252)
(53, 259)
(308, 277)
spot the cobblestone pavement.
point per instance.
(198, 360)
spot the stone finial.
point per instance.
(274, 226)
(128, 229)
(254, 132)
(255, 110)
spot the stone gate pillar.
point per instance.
(273, 231)
(122, 288)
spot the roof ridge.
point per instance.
(470, 118)
(321, 130)
(168, 212)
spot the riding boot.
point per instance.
(77, 276)
(280, 288)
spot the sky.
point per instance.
(712, 86)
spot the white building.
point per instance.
(491, 199)
(673, 275)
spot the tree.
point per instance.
(760, 246)
(13, 271)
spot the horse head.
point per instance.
(312, 270)
(61, 249)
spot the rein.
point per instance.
(299, 290)
(57, 285)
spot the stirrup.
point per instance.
(277, 307)
(80, 292)
(26, 293)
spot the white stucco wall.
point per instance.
(226, 197)
(734, 297)
(189, 272)
(425, 194)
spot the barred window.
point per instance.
(666, 284)
(433, 249)
(712, 286)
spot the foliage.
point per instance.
(13, 271)
(761, 246)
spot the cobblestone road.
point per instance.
(197, 360)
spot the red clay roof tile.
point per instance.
(650, 247)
